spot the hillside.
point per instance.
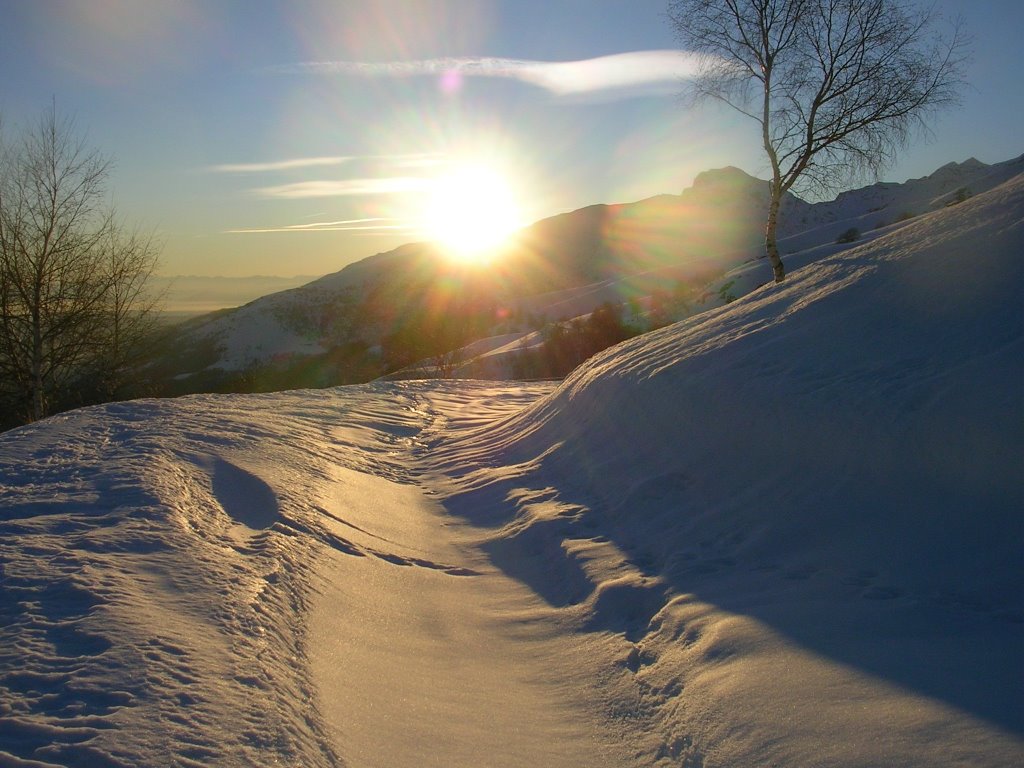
(784, 532)
(332, 329)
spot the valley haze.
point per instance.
(189, 295)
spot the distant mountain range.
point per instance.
(336, 329)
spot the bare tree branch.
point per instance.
(72, 283)
(837, 87)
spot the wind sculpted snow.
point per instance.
(786, 532)
(822, 486)
(157, 558)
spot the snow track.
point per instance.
(447, 660)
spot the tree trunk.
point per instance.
(771, 245)
(38, 401)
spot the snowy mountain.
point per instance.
(560, 267)
(786, 531)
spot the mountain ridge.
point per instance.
(566, 264)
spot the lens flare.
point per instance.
(470, 211)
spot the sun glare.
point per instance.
(471, 211)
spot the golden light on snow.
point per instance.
(471, 210)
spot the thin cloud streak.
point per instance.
(622, 72)
(346, 222)
(348, 225)
(343, 187)
(280, 165)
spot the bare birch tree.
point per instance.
(72, 282)
(836, 86)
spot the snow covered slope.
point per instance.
(784, 532)
(803, 510)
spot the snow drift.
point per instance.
(829, 468)
(784, 532)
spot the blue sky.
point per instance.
(259, 137)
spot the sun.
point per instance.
(470, 211)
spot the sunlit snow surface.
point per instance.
(785, 532)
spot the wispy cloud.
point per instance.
(370, 225)
(342, 187)
(280, 165)
(622, 73)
